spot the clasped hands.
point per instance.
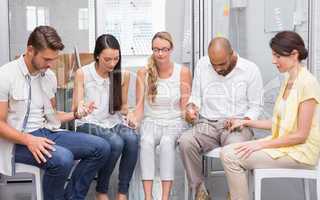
(84, 109)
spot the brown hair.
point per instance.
(284, 42)
(152, 70)
(43, 37)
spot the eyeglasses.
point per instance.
(163, 50)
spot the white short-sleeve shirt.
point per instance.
(14, 89)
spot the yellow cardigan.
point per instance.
(305, 87)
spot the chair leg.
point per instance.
(186, 187)
(204, 166)
(251, 184)
(318, 187)
(38, 185)
(257, 187)
(306, 186)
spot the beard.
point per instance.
(225, 71)
(37, 66)
(222, 72)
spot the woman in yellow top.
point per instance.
(295, 140)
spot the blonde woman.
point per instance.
(295, 124)
(162, 91)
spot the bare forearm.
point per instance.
(139, 114)
(11, 134)
(260, 124)
(183, 108)
(65, 116)
(124, 109)
(285, 141)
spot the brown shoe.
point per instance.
(202, 193)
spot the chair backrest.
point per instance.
(62, 69)
(66, 66)
(318, 166)
(86, 58)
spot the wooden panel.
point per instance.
(86, 58)
(66, 66)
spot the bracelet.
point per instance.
(76, 115)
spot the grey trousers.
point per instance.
(204, 136)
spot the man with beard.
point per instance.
(225, 86)
(29, 123)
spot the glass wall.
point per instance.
(249, 25)
(73, 19)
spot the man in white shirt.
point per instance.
(225, 86)
(29, 123)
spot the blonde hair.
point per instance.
(152, 70)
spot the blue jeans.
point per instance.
(92, 152)
(124, 141)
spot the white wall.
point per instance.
(315, 41)
(4, 33)
(174, 25)
(256, 43)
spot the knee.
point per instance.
(131, 137)
(185, 142)
(102, 148)
(132, 142)
(227, 154)
(168, 143)
(233, 140)
(245, 135)
(116, 143)
(61, 161)
(147, 142)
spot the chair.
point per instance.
(36, 179)
(215, 153)
(305, 174)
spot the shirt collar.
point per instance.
(24, 69)
(239, 64)
(96, 76)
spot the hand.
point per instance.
(90, 108)
(191, 114)
(40, 147)
(131, 120)
(232, 124)
(85, 109)
(245, 149)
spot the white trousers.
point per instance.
(153, 135)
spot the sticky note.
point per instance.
(219, 34)
(226, 10)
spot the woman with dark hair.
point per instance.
(295, 140)
(101, 83)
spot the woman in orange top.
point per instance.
(295, 140)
